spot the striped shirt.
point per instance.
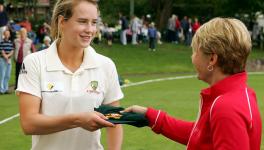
(6, 46)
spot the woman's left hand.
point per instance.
(136, 109)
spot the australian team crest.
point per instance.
(50, 86)
(93, 87)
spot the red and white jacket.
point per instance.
(229, 119)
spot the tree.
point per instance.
(163, 11)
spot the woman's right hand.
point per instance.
(136, 109)
(93, 121)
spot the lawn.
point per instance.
(135, 61)
(177, 97)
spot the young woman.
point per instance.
(23, 47)
(229, 117)
(59, 87)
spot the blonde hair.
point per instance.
(64, 8)
(23, 33)
(229, 39)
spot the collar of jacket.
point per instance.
(226, 85)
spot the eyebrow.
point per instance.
(87, 19)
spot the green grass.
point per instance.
(136, 61)
(8, 106)
(178, 97)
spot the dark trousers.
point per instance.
(171, 36)
(18, 66)
(152, 43)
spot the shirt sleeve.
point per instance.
(229, 128)
(172, 128)
(113, 89)
(29, 76)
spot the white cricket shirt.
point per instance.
(62, 92)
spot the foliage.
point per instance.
(161, 10)
(110, 15)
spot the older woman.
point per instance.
(23, 47)
(229, 116)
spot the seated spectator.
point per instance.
(46, 43)
(159, 37)
(144, 32)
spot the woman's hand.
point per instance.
(93, 121)
(136, 109)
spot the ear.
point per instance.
(61, 21)
(213, 59)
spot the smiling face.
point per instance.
(79, 30)
(7, 34)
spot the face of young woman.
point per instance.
(79, 30)
(201, 62)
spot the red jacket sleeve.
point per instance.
(174, 129)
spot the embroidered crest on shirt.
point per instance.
(93, 86)
(52, 87)
(23, 69)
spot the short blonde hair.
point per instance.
(64, 8)
(229, 39)
(23, 31)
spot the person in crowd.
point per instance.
(108, 34)
(59, 87)
(189, 33)
(25, 23)
(159, 37)
(196, 25)
(3, 20)
(140, 22)
(229, 116)
(23, 47)
(177, 29)
(6, 52)
(124, 26)
(152, 35)
(13, 27)
(46, 43)
(185, 28)
(134, 29)
(171, 28)
(144, 31)
(43, 31)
